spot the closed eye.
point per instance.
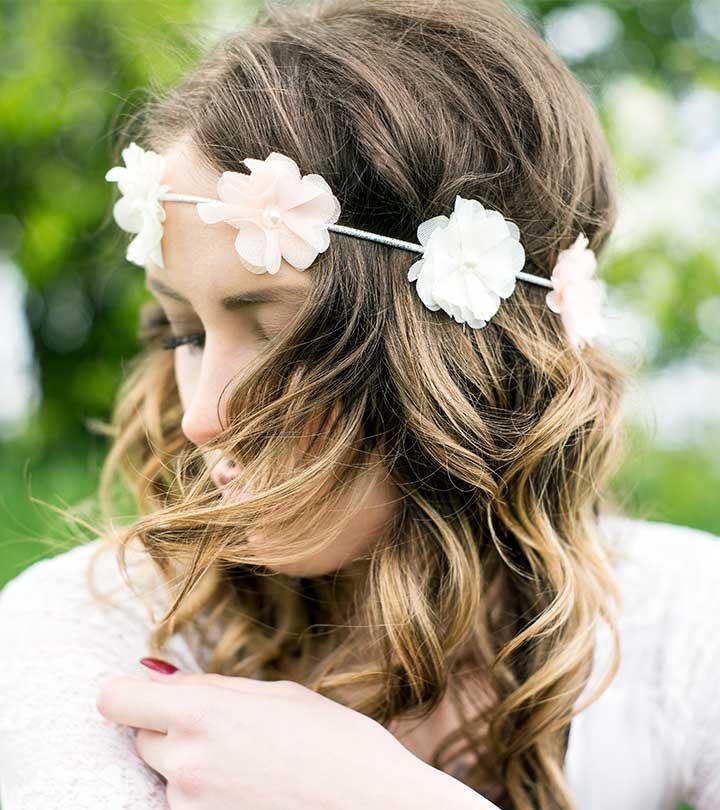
(156, 328)
(196, 340)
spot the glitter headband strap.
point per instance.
(359, 234)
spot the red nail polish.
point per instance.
(159, 665)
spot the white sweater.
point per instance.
(651, 740)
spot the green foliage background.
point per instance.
(72, 70)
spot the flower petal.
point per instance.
(496, 266)
(425, 229)
(273, 256)
(295, 250)
(292, 196)
(128, 216)
(261, 176)
(424, 291)
(306, 228)
(146, 244)
(284, 165)
(483, 302)
(415, 269)
(554, 301)
(310, 201)
(213, 212)
(233, 187)
(251, 244)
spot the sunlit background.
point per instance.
(70, 74)
(71, 71)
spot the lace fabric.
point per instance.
(651, 740)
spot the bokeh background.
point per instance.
(72, 71)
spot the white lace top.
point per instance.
(651, 740)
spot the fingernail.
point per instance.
(159, 665)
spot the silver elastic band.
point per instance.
(358, 234)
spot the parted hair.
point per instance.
(495, 575)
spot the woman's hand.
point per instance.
(227, 743)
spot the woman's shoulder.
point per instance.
(83, 596)
(72, 579)
(59, 572)
(669, 580)
(643, 531)
(655, 559)
(663, 700)
(669, 616)
(60, 641)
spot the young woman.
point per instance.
(374, 531)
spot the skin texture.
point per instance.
(201, 265)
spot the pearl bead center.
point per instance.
(272, 217)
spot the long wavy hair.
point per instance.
(500, 440)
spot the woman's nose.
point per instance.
(205, 414)
(199, 426)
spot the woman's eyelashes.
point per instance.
(196, 340)
(157, 329)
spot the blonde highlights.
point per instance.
(500, 440)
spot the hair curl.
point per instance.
(501, 439)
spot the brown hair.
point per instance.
(500, 439)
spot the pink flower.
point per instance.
(577, 295)
(278, 214)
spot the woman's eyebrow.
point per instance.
(264, 295)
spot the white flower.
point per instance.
(138, 210)
(470, 262)
(577, 295)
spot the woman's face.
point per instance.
(205, 288)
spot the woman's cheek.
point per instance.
(187, 372)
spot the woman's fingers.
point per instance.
(155, 706)
(179, 702)
(132, 702)
(152, 747)
(252, 686)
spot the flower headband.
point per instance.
(470, 260)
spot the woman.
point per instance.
(375, 530)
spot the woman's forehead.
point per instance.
(186, 172)
(201, 261)
(201, 258)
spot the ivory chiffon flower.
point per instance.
(470, 262)
(138, 210)
(577, 296)
(278, 214)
